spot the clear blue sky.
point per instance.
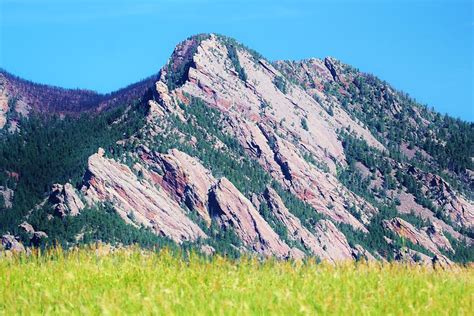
(424, 47)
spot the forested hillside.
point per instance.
(226, 152)
(49, 150)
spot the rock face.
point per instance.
(6, 196)
(291, 132)
(184, 177)
(213, 79)
(430, 238)
(328, 243)
(231, 208)
(320, 190)
(65, 200)
(9, 242)
(36, 236)
(313, 74)
(27, 227)
(138, 202)
(454, 206)
(359, 253)
(170, 181)
(188, 180)
(318, 76)
(332, 240)
(436, 235)
(408, 255)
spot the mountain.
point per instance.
(224, 151)
(19, 97)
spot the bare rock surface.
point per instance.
(27, 227)
(11, 243)
(312, 74)
(293, 118)
(332, 240)
(7, 195)
(453, 205)
(436, 235)
(207, 250)
(431, 238)
(318, 245)
(138, 202)
(185, 178)
(231, 208)
(359, 253)
(321, 190)
(411, 256)
(213, 79)
(408, 205)
(65, 200)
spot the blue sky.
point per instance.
(422, 47)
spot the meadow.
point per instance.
(132, 281)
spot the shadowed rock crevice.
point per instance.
(213, 206)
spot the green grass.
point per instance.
(137, 282)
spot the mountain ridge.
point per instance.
(6, 75)
(296, 155)
(20, 96)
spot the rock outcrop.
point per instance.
(230, 208)
(184, 177)
(310, 128)
(170, 181)
(65, 200)
(137, 201)
(318, 76)
(411, 256)
(317, 188)
(11, 243)
(321, 243)
(436, 235)
(36, 236)
(431, 238)
(332, 240)
(27, 227)
(213, 79)
(452, 204)
(359, 253)
(6, 197)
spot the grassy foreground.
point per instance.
(136, 282)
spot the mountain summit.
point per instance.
(225, 151)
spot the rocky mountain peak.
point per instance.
(285, 159)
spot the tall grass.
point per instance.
(131, 281)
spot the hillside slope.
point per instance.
(19, 98)
(234, 154)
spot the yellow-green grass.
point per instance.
(131, 281)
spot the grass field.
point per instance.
(135, 282)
